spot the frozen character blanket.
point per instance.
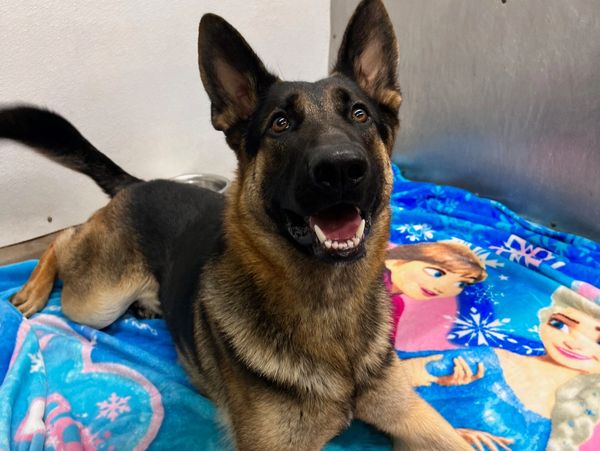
(497, 320)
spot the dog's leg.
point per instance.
(33, 296)
(103, 303)
(102, 273)
(262, 419)
(114, 277)
(273, 430)
(392, 406)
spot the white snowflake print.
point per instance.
(37, 363)
(482, 254)
(113, 407)
(484, 293)
(481, 331)
(417, 232)
(502, 277)
(520, 251)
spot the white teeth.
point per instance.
(320, 235)
(361, 229)
(341, 245)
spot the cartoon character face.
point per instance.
(423, 281)
(572, 339)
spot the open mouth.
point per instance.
(338, 231)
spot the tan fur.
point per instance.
(308, 425)
(393, 407)
(102, 271)
(34, 294)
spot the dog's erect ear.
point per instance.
(369, 53)
(233, 76)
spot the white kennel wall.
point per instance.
(125, 73)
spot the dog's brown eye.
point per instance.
(359, 115)
(280, 124)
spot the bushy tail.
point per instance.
(54, 137)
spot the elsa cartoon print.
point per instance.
(563, 385)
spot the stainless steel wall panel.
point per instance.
(501, 99)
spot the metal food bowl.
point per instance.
(212, 182)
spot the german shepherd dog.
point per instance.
(273, 293)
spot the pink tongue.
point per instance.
(338, 223)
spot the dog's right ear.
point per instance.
(233, 76)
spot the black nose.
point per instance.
(338, 170)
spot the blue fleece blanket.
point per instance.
(66, 386)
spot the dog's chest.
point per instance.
(326, 351)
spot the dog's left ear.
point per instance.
(233, 75)
(369, 54)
